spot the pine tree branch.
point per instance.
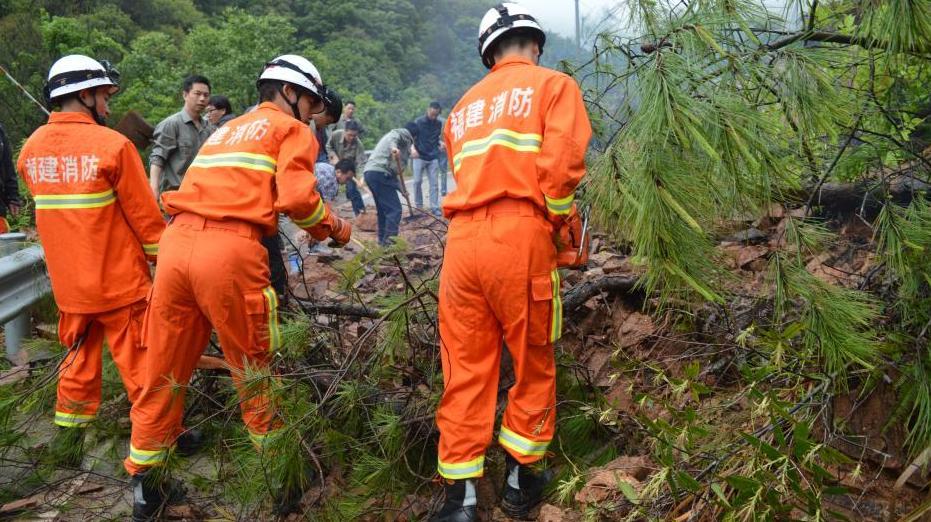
(802, 36)
(830, 169)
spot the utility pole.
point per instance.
(578, 26)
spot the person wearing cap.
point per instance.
(99, 226)
(382, 176)
(517, 141)
(213, 271)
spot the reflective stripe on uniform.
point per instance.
(462, 470)
(73, 420)
(260, 440)
(147, 457)
(274, 333)
(559, 206)
(245, 160)
(315, 217)
(556, 324)
(151, 250)
(503, 137)
(68, 201)
(521, 445)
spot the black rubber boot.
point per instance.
(150, 495)
(523, 489)
(461, 503)
(66, 448)
(189, 442)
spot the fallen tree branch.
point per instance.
(341, 309)
(577, 295)
(834, 198)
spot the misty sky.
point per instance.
(559, 15)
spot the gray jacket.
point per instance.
(381, 159)
(174, 144)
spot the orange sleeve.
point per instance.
(136, 201)
(297, 194)
(566, 132)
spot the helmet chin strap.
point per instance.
(294, 108)
(93, 108)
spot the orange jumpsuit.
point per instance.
(98, 224)
(214, 271)
(517, 143)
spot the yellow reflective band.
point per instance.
(245, 160)
(559, 206)
(521, 445)
(68, 201)
(502, 137)
(556, 326)
(73, 420)
(261, 439)
(147, 457)
(274, 332)
(315, 217)
(151, 250)
(462, 470)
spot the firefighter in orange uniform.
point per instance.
(213, 271)
(517, 142)
(98, 225)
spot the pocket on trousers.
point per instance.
(540, 316)
(262, 313)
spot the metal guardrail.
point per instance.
(23, 281)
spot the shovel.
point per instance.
(407, 197)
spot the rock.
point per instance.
(750, 235)
(620, 396)
(748, 254)
(633, 328)
(597, 362)
(605, 481)
(184, 512)
(616, 264)
(415, 506)
(551, 513)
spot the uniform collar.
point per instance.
(512, 60)
(270, 105)
(70, 117)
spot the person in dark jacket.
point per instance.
(10, 202)
(219, 110)
(425, 152)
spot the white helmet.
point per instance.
(295, 70)
(500, 20)
(76, 72)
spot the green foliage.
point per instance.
(231, 51)
(390, 56)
